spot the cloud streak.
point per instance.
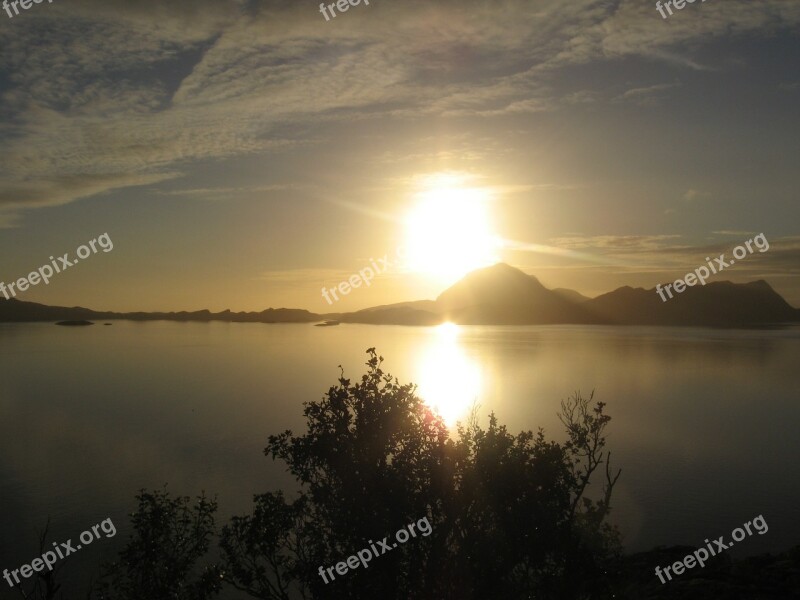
(105, 95)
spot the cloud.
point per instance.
(583, 97)
(62, 189)
(220, 193)
(636, 29)
(301, 278)
(105, 94)
(734, 233)
(646, 96)
(694, 195)
(9, 220)
(615, 243)
(668, 255)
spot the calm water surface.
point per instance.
(704, 422)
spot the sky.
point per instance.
(244, 155)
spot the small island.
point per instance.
(74, 323)
(328, 323)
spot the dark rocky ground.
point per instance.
(764, 577)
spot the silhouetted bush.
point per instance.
(160, 562)
(510, 514)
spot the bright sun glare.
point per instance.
(449, 232)
(449, 381)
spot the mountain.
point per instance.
(497, 295)
(393, 315)
(503, 295)
(570, 295)
(424, 305)
(717, 304)
(16, 310)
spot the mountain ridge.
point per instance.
(496, 295)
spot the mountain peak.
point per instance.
(502, 294)
(499, 272)
(487, 284)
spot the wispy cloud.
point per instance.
(734, 233)
(103, 95)
(220, 193)
(616, 243)
(693, 195)
(647, 96)
(669, 254)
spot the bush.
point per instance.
(160, 562)
(510, 514)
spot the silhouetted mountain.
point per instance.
(503, 295)
(716, 304)
(497, 295)
(393, 315)
(17, 310)
(424, 305)
(570, 295)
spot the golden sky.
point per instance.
(244, 155)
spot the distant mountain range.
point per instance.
(498, 295)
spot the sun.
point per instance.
(449, 233)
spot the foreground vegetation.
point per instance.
(510, 514)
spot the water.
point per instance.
(703, 421)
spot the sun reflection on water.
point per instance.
(449, 381)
